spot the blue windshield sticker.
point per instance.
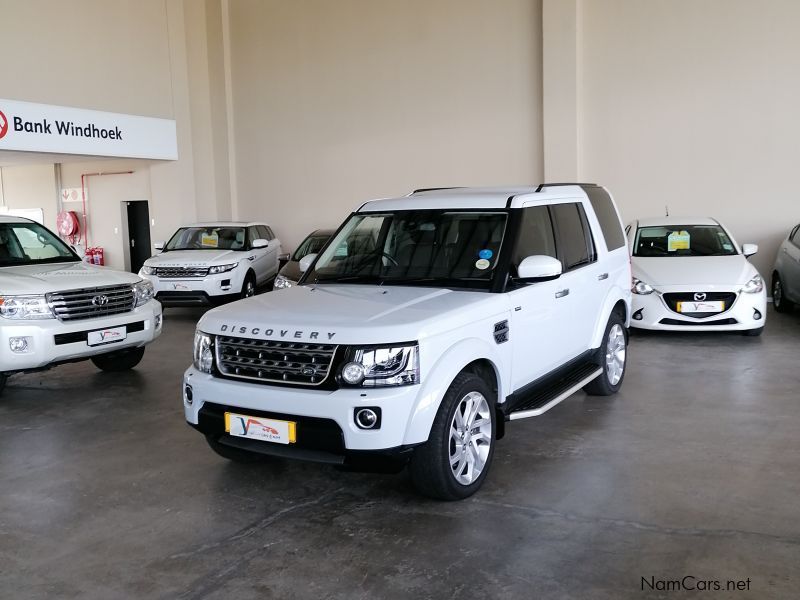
(485, 254)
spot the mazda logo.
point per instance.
(700, 296)
(100, 300)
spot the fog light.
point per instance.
(188, 393)
(638, 315)
(18, 344)
(158, 321)
(756, 314)
(353, 373)
(368, 418)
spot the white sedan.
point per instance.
(689, 274)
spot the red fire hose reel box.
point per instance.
(68, 224)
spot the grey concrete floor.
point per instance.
(692, 470)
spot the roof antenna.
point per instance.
(666, 209)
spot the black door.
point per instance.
(138, 233)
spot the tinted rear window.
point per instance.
(607, 216)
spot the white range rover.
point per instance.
(423, 325)
(56, 309)
(212, 263)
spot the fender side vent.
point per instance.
(501, 332)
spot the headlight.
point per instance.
(203, 352)
(282, 283)
(222, 268)
(754, 286)
(640, 287)
(148, 270)
(143, 292)
(25, 307)
(372, 366)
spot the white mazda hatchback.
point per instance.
(689, 274)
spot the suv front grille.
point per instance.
(91, 303)
(672, 299)
(299, 363)
(180, 272)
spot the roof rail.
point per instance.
(434, 189)
(544, 185)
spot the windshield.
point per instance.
(31, 244)
(208, 238)
(311, 245)
(683, 240)
(427, 247)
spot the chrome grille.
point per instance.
(300, 363)
(91, 302)
(180, 272)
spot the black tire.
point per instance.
(121, 360)
(430, 464)
(3, 379)
(248, 285)
(606, 383)
(234, 454)
(753, 332)
(779, 301)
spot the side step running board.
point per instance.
(547, 397)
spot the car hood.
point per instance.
(194, 258)
(58, 277)
(352, 314)
(693, 270)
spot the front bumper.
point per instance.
(651, 311)
(325, 419)
(206, 291)
(51, 341)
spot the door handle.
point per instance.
(602, 276)
(133, 243)
(562, 293)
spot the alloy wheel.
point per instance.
(470, 438)
(615, 354)
(777, 293)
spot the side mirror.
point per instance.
(284, 258)
(158, 245)
(749, 249)
(259, 243)
(539, 268)
(306, 261)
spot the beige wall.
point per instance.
(339, 102)
(693, 105)
(31, 186)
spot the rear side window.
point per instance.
(264, 232)
(607, 216)
(796, 236)
(535, 235)
(575, 245)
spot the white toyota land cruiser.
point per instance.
(423, 325)
(55, 308)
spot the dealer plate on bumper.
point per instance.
(701, 307)
(106, 336)
(259, 428)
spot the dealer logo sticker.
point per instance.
(3, 125)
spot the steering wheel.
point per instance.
(372, 256)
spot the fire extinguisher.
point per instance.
(88, 255)
(95, 256)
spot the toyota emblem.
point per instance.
(100, 300)
(700, 296)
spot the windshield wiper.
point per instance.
(349, 279)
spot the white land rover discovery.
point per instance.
(423, 325)
(56, 309)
